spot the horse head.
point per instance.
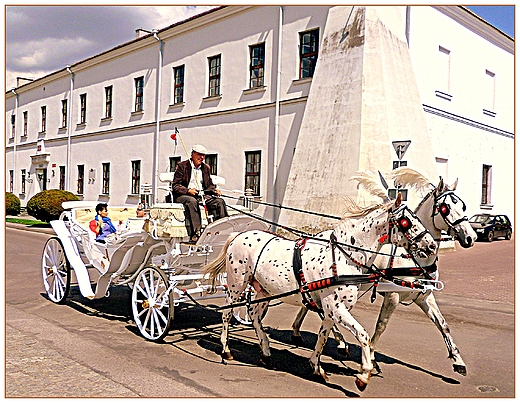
(407, 231)
(448, 214)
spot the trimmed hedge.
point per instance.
(12, 204)
(46, 205)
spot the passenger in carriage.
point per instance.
(191, 182)
(102, 225)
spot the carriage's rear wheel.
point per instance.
(152, 304)
(55, 270)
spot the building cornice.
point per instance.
(479, 26)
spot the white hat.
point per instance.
(199, 149)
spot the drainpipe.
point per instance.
(277, 113)
(157, 117)
(69, 123)
(14, 144)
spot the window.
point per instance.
(44, 118)
(253, 172)
(62, 177)
(256, 69)
(489, 94)
(25, 120)
(63, 113)
(13, 126)
(486, 184)
(211, 160)
(83, 108)
(105, 188)
(139, 93)
(214, 76)
(11, 181)
(81, 179)
(108, 102)
(178, 85)
(24, 178)
(444, 73)
(173, 163)
(136, 176)
(308, 53)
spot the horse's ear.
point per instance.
(440, 186)
(398, 200)
(454, 186)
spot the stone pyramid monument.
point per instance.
(363, 97)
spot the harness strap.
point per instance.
(307, 300)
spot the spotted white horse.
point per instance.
(440, 210)
(265, 261)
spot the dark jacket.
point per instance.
(182, 177)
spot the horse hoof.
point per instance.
(343, 351)
(376, 370)
(297, 340)
(265, 361)
(460, 369)
(361, 384)
(227, 356)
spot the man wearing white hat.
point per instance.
(191, 182)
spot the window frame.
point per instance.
(109, 93)
(174, 161)
(80, 189)
(23, 174)
(256, 70)
(214, 76)
(105, 182)
(250, 175)
(13, 126)
(25, 123)
(486, 185)
(44, 118)
(83, 108)
(212, 161)
(64, 113)
(311, 56)
(62, 177)
(178, 84)
(139, 94)
(135, 177)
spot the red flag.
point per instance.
(173, 136)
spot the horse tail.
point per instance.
(213, 269)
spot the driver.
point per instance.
(191, 182)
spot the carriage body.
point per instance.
(149, 254)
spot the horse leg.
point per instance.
(344, 319)
(342, 344)
(296, 337)
(224, 335)
(257, 313)
(314, 360)
(390, 302)
(431, 309)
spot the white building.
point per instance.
(243, 81)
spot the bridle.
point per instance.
(399, 220)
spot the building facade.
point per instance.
(237, 79)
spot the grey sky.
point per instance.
(43, 39)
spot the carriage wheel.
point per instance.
(55, 271)
(152, 305)
(240, 313)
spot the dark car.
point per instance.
(491, 226)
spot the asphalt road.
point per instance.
(93, 349)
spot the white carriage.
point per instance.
(150, 254)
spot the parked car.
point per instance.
(491, 226)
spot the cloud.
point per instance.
(44, 39)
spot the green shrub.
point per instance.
(46, 205)
(12, 204)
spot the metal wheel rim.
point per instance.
(152, 308)
(55, 270)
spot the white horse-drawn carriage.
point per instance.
(237, 257)
(150, 254)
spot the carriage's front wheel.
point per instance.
(152, 303)
(55, 270)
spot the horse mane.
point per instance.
(371, 183)
(354, 210)
(407, 177)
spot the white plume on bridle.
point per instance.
(371, 183)
(407, 177)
